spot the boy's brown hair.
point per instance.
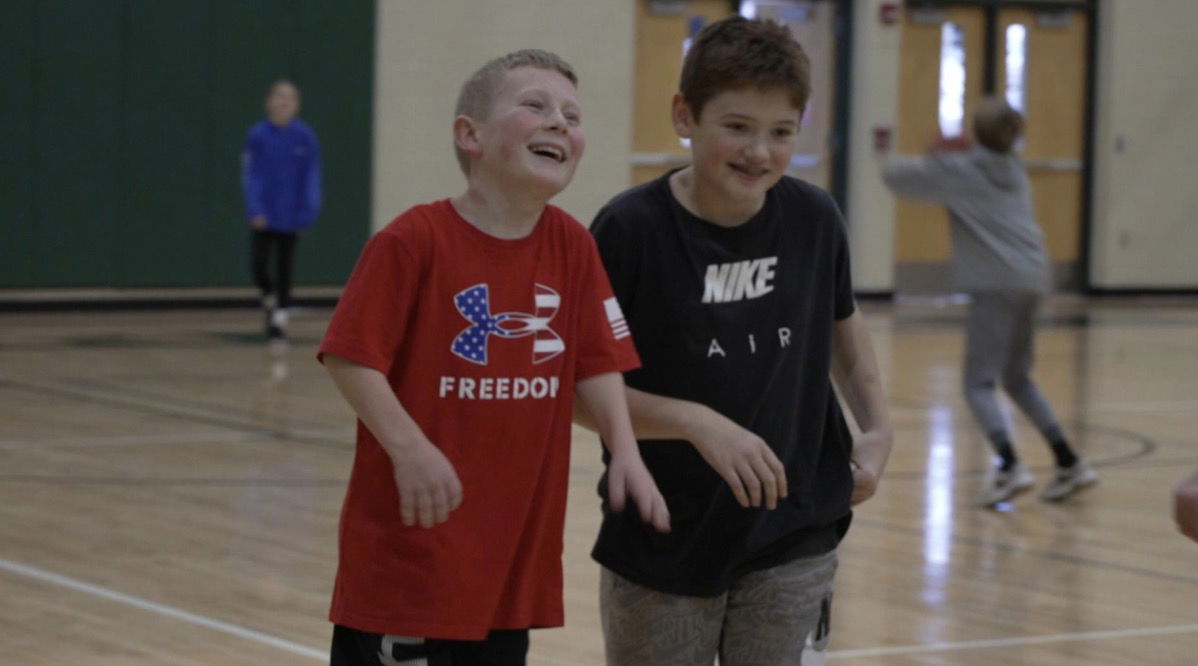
(997, 125)
(736, 53)
(478, 92)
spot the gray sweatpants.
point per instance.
(765, 619)
(999, 337)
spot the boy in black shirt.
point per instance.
(735, 283)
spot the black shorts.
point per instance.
(360, 648)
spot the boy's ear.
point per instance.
(680, 113)
(465, 137)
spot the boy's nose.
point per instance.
(555, 120)
(757, 149)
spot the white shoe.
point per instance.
(1069, 480)
(276, 327)
(1002, 486)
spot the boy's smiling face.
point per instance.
(533, 134)
(742, 144)
(282, 104)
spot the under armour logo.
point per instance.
(474, 304)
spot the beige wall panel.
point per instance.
(426, 49)
(1145, 224)
(644, 174)
(874, 98)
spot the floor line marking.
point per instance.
(182, 438)
(168, 611)
(1012, 642)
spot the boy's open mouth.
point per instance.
(546, 150)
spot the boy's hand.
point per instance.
(258, 223)
(865, 479)
(950, 144)
(428, 485)
(1185, 506)
(865, 484)
(744, 460)
(628, 476)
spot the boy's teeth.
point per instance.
(548, 151)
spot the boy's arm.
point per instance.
(1185, 506)
(746, 463)
(602, 398)
(251, 184)
(313, 193)
(855, 371)
(427, 483)
(919, 177)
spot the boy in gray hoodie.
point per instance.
(998, 258)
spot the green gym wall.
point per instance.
(122, 125)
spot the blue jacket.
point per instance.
(281, 175)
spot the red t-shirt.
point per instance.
(482, 340)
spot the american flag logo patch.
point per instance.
(474, 304)
(615, 317)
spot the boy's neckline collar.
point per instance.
(478, 231)
(674, 187)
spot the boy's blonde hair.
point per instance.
(737, 53)
(996, 124)
(478, 92)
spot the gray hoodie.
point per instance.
(997, 246)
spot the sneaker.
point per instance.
(1002, 486)
(270, 305)
(1069, 480)
(276, 325)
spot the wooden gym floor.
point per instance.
(170, 487)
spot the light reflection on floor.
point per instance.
(938, 504)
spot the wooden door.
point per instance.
(1053, 95)
(659, 48)
(921, 242)
(1039, 64)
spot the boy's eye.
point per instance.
(534, 104)
(737, 127)
(784, 133)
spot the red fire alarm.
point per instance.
(888, 13)
(882, 136)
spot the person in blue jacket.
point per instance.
(281, 179)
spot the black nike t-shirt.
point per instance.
(740, 319)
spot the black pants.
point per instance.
(359, 648)
(279, 246)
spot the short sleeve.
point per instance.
(605, 342)
(372, 315)
(844, 303)
(618, 255)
